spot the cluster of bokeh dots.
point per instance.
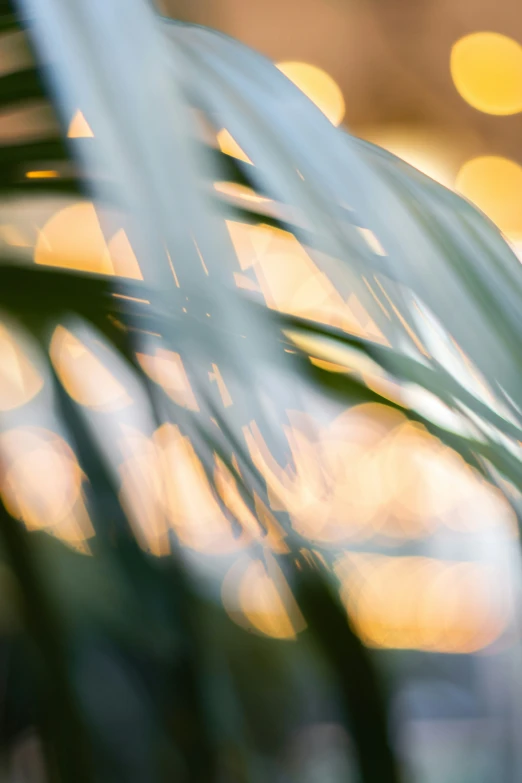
(486, 68)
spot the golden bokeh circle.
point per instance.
(486, 69)
(40, 480)
(494, 185)
(318, 86)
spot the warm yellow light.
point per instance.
(333, 490)
(191, 505)
(166, 369)
(370, 473)
(494, 184)
(165, 486)
(72, 239)
(143, 491)
(41, 484)
(41, 174)
(486, 69)
(318, 86)
(260, 599)
(79, 127)
(291, 281)
(229, 146)
(122, 255)
(431, 151)
(423, 481)
(423, 603)
(84, 376)
(19, 379)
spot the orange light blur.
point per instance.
(193, 509)
(165, 487)
(42, 174)
(494, 185)
(229, 146)
(260, 600)
(143, 493)
(486, 68)
(41, 484)
(19, 379)
(371, 473)
(166, 369)
(79, 128)
(291, 282)
(422, 603)
(72, 239)
(122, 255)
(318, 86)
(84, 376)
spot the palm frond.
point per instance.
(430, 271)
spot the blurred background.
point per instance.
(392, 60)
(425, 551)
(438, 83)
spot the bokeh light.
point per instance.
(143, 493)
(318, 86)
(79, 128)
(423, 603)
(42, 174)
(238, 490)
(494, 184)
(372, 474)
(85, 378)
(167, 370)
(229, 146)
(258, 598)
(291, 281)
(434, 151)
(72, 239)
(41, 482)
(486, 68)
(165, 485)
(20, 381)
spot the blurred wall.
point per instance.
(391, 59)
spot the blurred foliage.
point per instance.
(126, 667)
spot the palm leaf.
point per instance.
(327, 189)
